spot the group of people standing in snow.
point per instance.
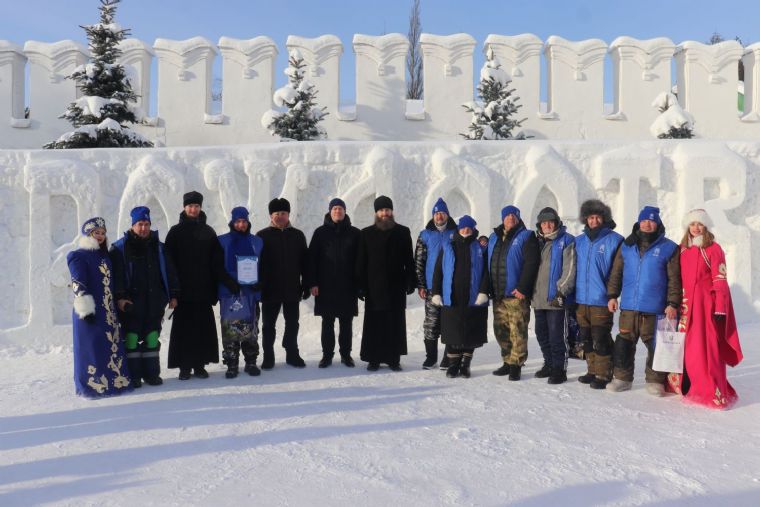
(456, 271)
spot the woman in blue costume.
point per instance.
(100, 367)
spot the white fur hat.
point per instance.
(697, 215)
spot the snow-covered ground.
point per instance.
(341, 436)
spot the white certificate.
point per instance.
(247, 269)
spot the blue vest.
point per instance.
(119, 245)
(230, 263)
(645, 278)
(562, 241)
(513, 257)
(434, 241)
(476, 271)
(594, 263)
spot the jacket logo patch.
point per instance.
(656, 252)
(601, 249)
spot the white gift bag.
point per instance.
(669, 347)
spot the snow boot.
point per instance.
(232, 371)
(514, 372)
(655, 389)
(453, 369)
(502, 370)
(464, 368)
(618, 385)
(134, 363)
(251, 369)
(587, 378)
(431, 354)
(558, 376)
(151, 366)
(544, 372)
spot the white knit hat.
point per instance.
(697, 215)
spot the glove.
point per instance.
(719, 316)
(89, 318)
(558, 301)
(436, 300)
(128, 307)
(305, 293)
(481, 299)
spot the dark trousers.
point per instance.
(270, 310)
(551, 332)
(635, 325)
(344, 335)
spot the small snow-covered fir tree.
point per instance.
(300, 120)
(673, 122)
(101, 115)
(494, 118)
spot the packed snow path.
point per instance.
(341, 436)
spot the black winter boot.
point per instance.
(431, 354)
(558, 376)
(325, 361)
(232, 371)
(251, 369)
(464, 368)
(502, 370)
(514, 372)
(151, 366)
(134, 363)
(268, 362)
(544, 372)
(445, 359)
(453, 369)
(293, 358)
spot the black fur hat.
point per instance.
(596, 207)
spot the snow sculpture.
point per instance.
(376, 178)
(137, 58)
(629, 166)
(707, 77)
(219, 176)
(248, 77)
(575, 80)
(322, 58)
(43, 179)
(49, 92)
(642, 70)
(296, 181)
(751, 60)
(521, 57)
(447, 73)
(184, 86)
(451, 173)
(695, 163)
(544, 167)
(154, 177)
(12, 62)
(380, 79)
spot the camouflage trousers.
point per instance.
(511, 317)
(240, 335)
(431, 326)
(635, 325)
(595, 333)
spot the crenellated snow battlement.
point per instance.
(572, 72)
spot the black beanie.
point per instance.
(383, 202)
(192, 197)
(276, 205)
(547, 215)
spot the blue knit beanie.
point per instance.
(336, 202)
(238, 213)
(467, 221)
(510, 210)
(440, 206)
(139, 214)
(650, 213)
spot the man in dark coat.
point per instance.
(385, 275)
(284, 264)
(332, 258)
(145, 281)
(460, 288)
(198, 257)
(513, 259)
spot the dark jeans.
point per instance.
(344, 335)
(551, 332)
(270, 310)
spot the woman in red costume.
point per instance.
(707, 317)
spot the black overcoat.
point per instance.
(284, 264)
(332, 260)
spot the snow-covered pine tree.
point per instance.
(100, 116)
(494, 118)
(673, 122)
(300, 120)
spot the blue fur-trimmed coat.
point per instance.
(100, 368)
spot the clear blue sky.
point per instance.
(53, 20)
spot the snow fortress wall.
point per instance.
(46, 195)
(706, 77)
